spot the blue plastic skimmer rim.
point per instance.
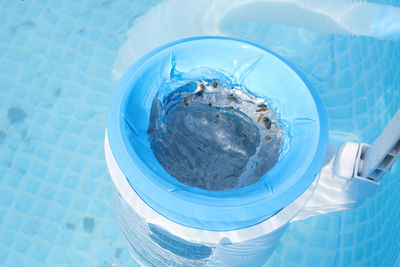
(238, 208)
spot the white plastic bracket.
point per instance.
(363, 161)
(353, 172)
(359, 166)
(378, 158)
(346, 159)
(346, 164)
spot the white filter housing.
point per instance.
(156, 241)
(169, 223)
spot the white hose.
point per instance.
(175, 19)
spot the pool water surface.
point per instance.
(56, 60)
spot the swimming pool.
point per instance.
(55, 86)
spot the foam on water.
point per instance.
(213, 134)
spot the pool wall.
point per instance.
(56, 60)
(359, 83)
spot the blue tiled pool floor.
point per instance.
(55, 84)
(56, 59)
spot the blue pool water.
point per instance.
(56, 59)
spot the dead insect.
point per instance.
(200, 90)
(243, 135)
(217, 115)
(216, 121)
(231, 97)
(209, 104)
(230, 107)
(186, 101)
(260, 117)
(268, 138)
(261, 110)
(262, 106)
(215, 84)
(267, 122)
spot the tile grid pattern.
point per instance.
(359, 83)
(55, 84)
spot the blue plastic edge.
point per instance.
(254, 214)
